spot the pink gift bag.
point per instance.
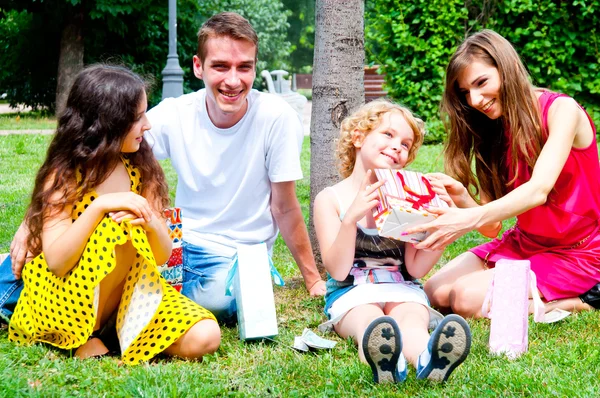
(508, 302)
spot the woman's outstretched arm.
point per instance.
(564, 122)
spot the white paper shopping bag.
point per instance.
(253, 292)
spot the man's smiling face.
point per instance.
(228, 72)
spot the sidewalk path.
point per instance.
(306, 117)
(4, 108)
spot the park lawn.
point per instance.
(563, 358)
(27, 121)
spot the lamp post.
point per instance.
(172, 74)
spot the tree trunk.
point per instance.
(70, 59)
(338, 88)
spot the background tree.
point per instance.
(338, 89)
(131, 32)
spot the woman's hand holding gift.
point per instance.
(451, 224)
(449, 190)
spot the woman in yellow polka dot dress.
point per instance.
(96, 226)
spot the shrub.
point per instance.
(413, 40)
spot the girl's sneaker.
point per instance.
(448, 347)
(382, 347)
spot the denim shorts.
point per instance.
(204, 275)
(10, 290)
(332, 296)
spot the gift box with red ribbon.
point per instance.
(403, 200)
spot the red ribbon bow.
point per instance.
(420, 199)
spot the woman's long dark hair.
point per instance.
(101, 109)
(472, 136)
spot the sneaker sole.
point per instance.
(451, 343)
(382, 345)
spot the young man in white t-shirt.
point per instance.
(237, 156)
(236, 152)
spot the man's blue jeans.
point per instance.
(10, 290)
(204, 275)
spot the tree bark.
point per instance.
(338, 88)
(70, 59)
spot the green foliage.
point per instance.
(28, 51)
(413, 41)
(130, 32)
(301, 33)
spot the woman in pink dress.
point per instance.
(536, 158)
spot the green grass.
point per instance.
(563, 358)
(27, 121)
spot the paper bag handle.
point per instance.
(277, 279)
(539, 309)
(487, 301)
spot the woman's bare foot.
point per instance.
(94, 347)
(573, 304)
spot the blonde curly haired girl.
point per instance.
(365, 120)
(388, 307)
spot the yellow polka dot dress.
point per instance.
(62, 310)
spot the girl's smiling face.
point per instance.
(480, 84)
(386, 146)
(133, 139)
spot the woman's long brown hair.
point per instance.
(473, 137)
(100, 110)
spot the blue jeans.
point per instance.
(204, 275)
(10, 290)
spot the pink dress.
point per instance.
(560, 238)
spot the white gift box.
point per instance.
(253, 292)
(401, 201)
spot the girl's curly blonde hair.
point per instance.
(366, 119)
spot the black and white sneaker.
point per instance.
(382, 347)
(448, 347)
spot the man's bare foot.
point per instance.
(94, 347)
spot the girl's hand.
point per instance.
(451, 224)
(448, 188)
(124, 215)
(366, 199)
(130, 202)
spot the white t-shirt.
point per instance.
(225, 175)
